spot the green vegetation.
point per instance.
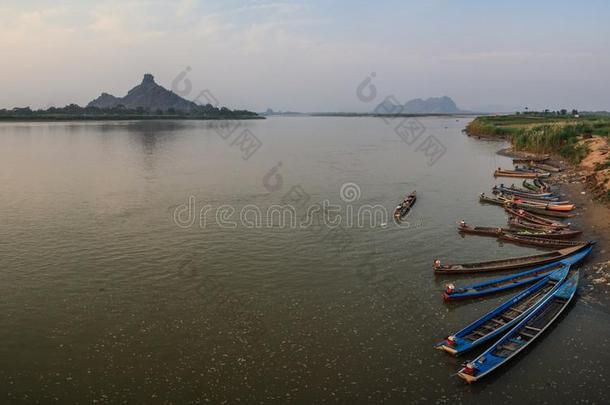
(544, 132)
(602, 166)
(75, 112)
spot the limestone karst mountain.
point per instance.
(147, 95)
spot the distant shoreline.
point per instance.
(347, 114)
(43, 118)
(124, 118)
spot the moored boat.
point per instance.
(523, 334)
(542, 158)
(505, 316)
(497, 231)
(505, 264)
(535, 201)
(491, 200)
(521, 213)
(542, 231)
(524, 224)
(515, 173)
(541, 242)
(535, 188)
(524, 194)
(546, 212)
(562, 206)
(538, 182)
(545, 166)
(480, 230)
(500, 284)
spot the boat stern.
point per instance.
(453, 345)
(467, 377)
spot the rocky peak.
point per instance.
(148, 79)
(148, 95)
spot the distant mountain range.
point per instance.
(147, 100)
(147, 95)
(432, 105)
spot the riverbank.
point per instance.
(593, 218)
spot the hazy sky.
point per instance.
(310, 55)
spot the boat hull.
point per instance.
(516, 174)
(540, 242)
(528, 330)
(506, 264)
(534, 218)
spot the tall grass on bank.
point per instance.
(554, 137)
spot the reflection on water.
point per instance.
(104, 297)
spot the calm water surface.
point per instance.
(103, 297)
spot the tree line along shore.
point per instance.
(76, 112)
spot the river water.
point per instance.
(128, 274)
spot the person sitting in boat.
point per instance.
(462, 224)
(437, 264)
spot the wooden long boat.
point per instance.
(515, 173)
(546, 212)
(481, 230)
(500, 284)
(541, 242)
(405, 206)
(541, 231)
(523, 194)
(526, 169)
(556, 234)
(523, 334)
(536, 188)
(505, 316)
(534, 201)
(521, 213)
(491, 200)
(538, 182)
(505, 264)
(562, 206)
(545, 167)
(530, 186)
(551, 210)
(536, 159)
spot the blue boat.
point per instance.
(512, 281)
(536, 196)
(523, 334)
(504, 317)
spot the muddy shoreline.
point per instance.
(593, 217)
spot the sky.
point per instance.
(310, 56)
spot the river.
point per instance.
(150, 262)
